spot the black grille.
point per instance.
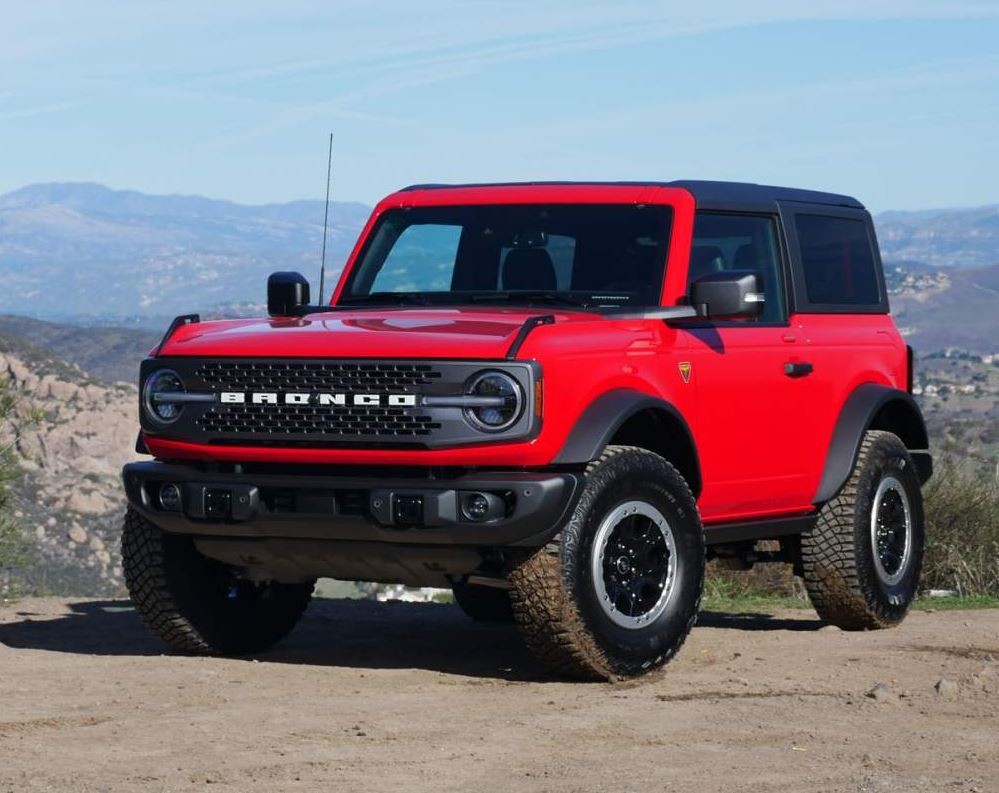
(329, 403)
(316, 376)
(314, 420)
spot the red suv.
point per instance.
(558, 400)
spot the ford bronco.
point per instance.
(558, 400)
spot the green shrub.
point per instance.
(14, 548)
(762, 581)
(766, 586)
(962, 544)
(962, 527)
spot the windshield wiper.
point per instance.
(552, 298)
(388, 298)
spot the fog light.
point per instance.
(475, 507)
(170, 498)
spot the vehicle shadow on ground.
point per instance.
(359, 634)
(757, 621)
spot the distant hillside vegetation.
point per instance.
(110, 354)
(941, 237)
(936, 309)
(71, 250)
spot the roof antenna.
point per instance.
(326, 217)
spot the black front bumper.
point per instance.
(525, 508)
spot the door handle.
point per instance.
(798, 368)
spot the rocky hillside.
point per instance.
(74, 433)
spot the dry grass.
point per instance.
(962, 545)
(962, 526)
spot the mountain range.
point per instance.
(84, 250)
(966, 237)
(81, 252)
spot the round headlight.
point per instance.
(503, 401)
(159, 384)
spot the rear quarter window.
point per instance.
(839, 268)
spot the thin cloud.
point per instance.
(37, 110)
(497, 33)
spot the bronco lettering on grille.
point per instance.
(323, 399)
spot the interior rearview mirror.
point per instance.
(728, 294)
(287, 294)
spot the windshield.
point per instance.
(586, 255)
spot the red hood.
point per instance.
(364, 333)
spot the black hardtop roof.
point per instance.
(708, 194)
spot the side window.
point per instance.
(422, 260)
(739, 242)
(838, 261)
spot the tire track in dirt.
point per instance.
(8, 728)
(697, 696)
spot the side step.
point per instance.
(765, 529)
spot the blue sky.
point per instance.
(895, 101)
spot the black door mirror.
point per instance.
(287, 294)
(727, 295)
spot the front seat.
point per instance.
(529, 269)
(746, 258)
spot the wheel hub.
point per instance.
(634, 564)
(891, 530)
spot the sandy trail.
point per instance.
(399, 696)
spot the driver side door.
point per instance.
(751, 413)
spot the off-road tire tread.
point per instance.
(144, 564)
(832, 579)
(550, 623)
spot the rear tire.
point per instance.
(483, 603)
(861, 562)
(197, 604)
(617, 594)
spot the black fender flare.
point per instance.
(857, 416)
(600, 421)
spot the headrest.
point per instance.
(704, 260)
(529, 268)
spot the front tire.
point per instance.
(862, 561)
(618, 593)
(199, 605)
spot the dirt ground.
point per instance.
(375, 697)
